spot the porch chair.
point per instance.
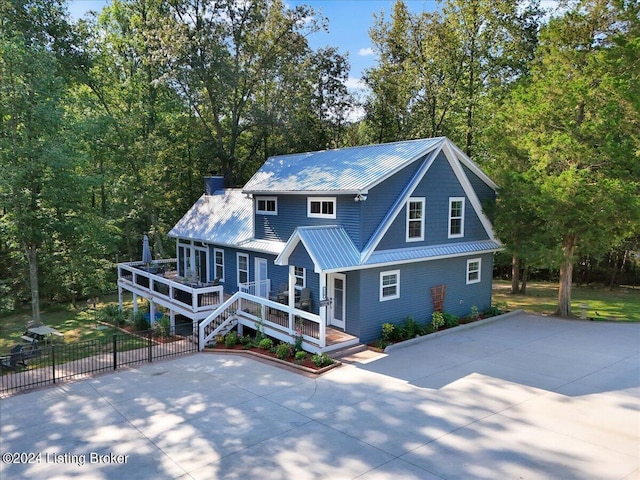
(281, 295)
(304, 302)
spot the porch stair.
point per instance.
(221, 325)
(349, 350)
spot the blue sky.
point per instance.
(349, 23)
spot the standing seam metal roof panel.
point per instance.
(347, 169)
(224, 218)
(329, 246)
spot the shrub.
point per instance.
(321, 360)
(410, 328)
(245, 340)
(388, 332)
(140, 322)
(283, 350)
(300, 356)
(474, 312)
(437, 320)
(163, 326)
(450, 320)
(112, 314)
(494, 310)
(265, 344)
(231, 338)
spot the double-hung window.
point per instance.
(299, 274)
(267, 205)
(389, 285)
(243, 268)
(415, 219)
(219, 263)
(473, 270)
(321, 207)
(456, 217)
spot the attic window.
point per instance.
(456, 217)
(321, 207)
(267, 205)
(415, 219)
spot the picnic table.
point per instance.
(40, 334)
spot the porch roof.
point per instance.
(329, 247)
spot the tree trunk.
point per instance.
(515, 274)
(31, 251)
(525, 272)
(566, 273)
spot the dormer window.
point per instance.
(321, 207)
(456, 217)
(267, 205)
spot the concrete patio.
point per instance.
(525, 397)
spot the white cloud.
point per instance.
(365, 52)
(353, 82)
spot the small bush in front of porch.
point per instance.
(231, 338)
(265, 344)
(300, 356)
(283, 350)
(112, 313)
(321, 360)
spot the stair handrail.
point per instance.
(215, 314)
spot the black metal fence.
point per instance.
(28, 366)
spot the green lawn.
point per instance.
(77, 324)
(621, 303)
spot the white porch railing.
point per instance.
(258, 288)
(194, 297)
(273, 318)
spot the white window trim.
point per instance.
(390, 297)
(479, 262)
(215, 263)
(304, 278)
(422, 201)
(321, 199)
(267, 212)
(461, 234)
(238, 270)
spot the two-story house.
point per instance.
(332, 244)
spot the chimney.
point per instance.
(212, 184)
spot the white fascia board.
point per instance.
(399, 205)
(456, 166)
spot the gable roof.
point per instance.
(329, 247)
(344, 170)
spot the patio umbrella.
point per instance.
(146, 251)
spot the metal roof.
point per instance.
(329, 247)
(432, 252)
(224, 218)
(352, 169)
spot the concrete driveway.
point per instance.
(525, 397)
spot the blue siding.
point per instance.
(292, 213)
(416, 280)
(436, 187)
(277, 274)
(381, 199)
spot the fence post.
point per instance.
(53, 362)
(150, 350)
(115, 351)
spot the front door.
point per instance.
(338, 292)
(262, 289)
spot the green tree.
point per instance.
(575, 126)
